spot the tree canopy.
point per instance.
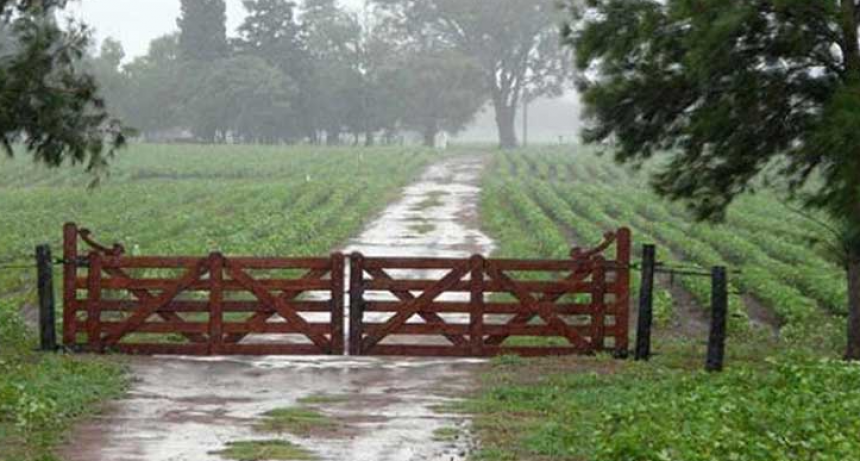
(515, 43)
(203, 30)
(328, 71)
(48, 101)
(735, 91)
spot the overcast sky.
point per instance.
(136, 22)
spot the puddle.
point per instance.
(183, 409)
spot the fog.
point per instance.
(323, 71)
(135, 23)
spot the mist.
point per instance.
(334, 72)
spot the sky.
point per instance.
(136, 22)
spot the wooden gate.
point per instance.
(199, 306)
(485, 307)
(398, 306)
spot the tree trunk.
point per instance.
(332, 137)
(850, 47)
(853, 350)
(430, 133)
(369, 139)
(505, 121)
(525, 122)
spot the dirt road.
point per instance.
(186, 409)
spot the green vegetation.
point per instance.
(40, 395)
(296, 420)
(433, 200)
(446, 434)
(169, 200)
(323, 399)
(543, 201)
(264, 450)
(598, 409)
(794, 406)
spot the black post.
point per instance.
(646, 303)
(47, 322)
(356, 302)
(719, 312)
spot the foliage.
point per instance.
(47, 101)
(272, 33)
(244, 96)
(152, 99)
(311, 72)
(791, 408)
(796, 410)
(296, 420)
(543, 201)
(193, 200)
(445, 88)
(734, 89)
(202, 30)
(40, 395)
(515, 43)
(264, 450)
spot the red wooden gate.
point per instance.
(208, 305)
(484, 307)
(399, 306)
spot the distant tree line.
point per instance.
(321, 73)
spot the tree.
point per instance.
(271, 32)
(112, 81)
(203, 30)
(439, 90)
(373, 101)
(155, 87)
(515, 42)
(244, 97)
(735, 90)
(331, 35)
(47, 101)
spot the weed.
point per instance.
(264, 450)
(296, 420)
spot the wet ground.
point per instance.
(185, 409)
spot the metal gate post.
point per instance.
(47, 320)
(356, 302)
(646, 303)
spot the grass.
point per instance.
(446, 434)
(580, 408)
(323, 399)
(296, 420)
(42, 395)
(423, 228)
(433, 200)
(264, 450)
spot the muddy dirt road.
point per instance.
(185, 409)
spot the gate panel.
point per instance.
(199, 306)
(486, 307)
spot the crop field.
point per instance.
(538, 202)
(778, 399)
(192, 200)
(535, 203)
(165, 200)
